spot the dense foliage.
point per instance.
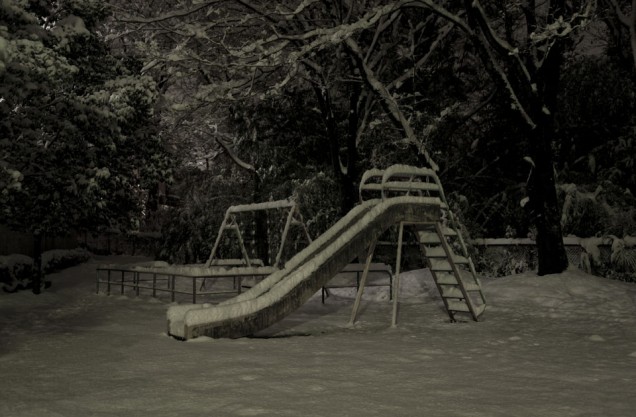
(78, 145)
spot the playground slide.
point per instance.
(284, 291)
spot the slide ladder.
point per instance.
(441, 242)
(454, 273)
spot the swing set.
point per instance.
(231, 225)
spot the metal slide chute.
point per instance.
(402, 195)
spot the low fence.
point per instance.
(508, 256)
(192, 284)
(500, 257)
(114, 280)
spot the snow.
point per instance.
(559, 345)
(192, 270)
(267, 205)
(10, 261)
(408, 171)
(393, 179)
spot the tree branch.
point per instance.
(238, 161)
(176, 14)
(379, 88)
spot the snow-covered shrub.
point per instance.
(16, 270)
(597, 210)
(599, 213)
(503, 261)
(54, 260)
(610, 256)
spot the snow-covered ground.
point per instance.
(561, 345)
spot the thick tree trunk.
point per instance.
(346, 180)
(542, 188)
(544, 207)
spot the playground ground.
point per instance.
(560, 345)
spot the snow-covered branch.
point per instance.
(238, 161)
(379, 88)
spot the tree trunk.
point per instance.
(544, 207)
(542, 184)
(260, 224)
(349, 180)
(37, 263)
(346, 180)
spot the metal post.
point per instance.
(136, 281)
(194, 290)
(363, 281)
(283, 237)
(108, 285)
(396, 281)
(218, 239)
(122, 282)
(154, 285)
(172, 292)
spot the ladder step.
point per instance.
(468, 277)
(455, 305)
(447, 231)
(432, 236)
(440, 265)
(429, 237)
(435, 251)
(461, 306)
(479, 309)
(451, 292)
(438, 252)
(446, 278)
(470, 287)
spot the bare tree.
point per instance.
(252, 49)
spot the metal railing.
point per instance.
(120, 279)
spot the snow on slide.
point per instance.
(284, 291)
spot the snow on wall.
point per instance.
(286, 282)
